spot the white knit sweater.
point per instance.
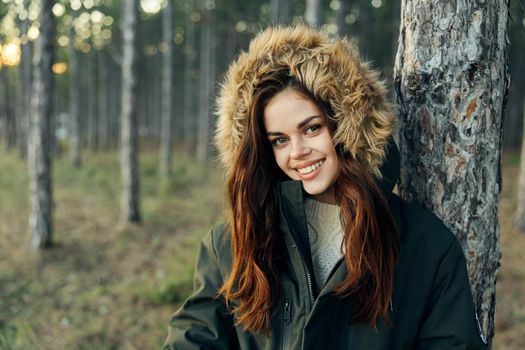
(326, 237)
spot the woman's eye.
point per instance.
(312, 128)
(279, 141)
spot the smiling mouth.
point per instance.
(311, 168)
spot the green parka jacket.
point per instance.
(431, 306)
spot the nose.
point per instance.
(299, 149)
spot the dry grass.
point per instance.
(108, 286)
(103, 285)
(510, 288)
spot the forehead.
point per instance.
(287, 109)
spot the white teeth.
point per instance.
(310, 168)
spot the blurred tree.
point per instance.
(280, 11)
(25, 81)
(451, 79)
(129, 128)
(207, 74)
(189, 77)
(514, 112)
(313, 13)
(104, 125)
(74, 100)
(91, 99)
(519, 215)
(39, 147)
(9, 122)
(341, 12)
(167, 63)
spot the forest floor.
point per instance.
(105, 285)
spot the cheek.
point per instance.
(281, 159)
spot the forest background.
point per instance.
(105, 283)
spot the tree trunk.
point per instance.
(189, 83)
(74, 108)
(114, 95)
(25, 84)
(451, 79)
(165, 143)
(519, 215)
(280, 11)
(9, 110)
(313, 13)
(39, 152)
(129, 133)
(513, 118)
(206, 81)
(341, 13)
(91, 99)
(102, 92)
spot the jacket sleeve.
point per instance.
(203, 321)
(450, 321)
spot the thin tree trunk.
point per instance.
(91, 99)
(114, 108)
(451, 79)
(129, 132)
(165, 144)
(341, 13)
(9, 110)
(102, 92)
(74, 108)
(83, 103)
(519, 215)
(39, 152)
(280, 11)
(189, 83)
(313, 13)
(25, 84)
(156, 88)
(513, 118)
(207, 48)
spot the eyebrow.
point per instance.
(299, 126)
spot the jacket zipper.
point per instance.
(307, 271)
(308, 277)
(287, 325)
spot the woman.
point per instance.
(317, 252)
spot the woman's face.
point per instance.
(301, 143)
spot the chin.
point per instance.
(314, 189)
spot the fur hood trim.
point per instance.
(331, 69)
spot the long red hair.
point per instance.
(370, 238)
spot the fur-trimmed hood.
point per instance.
(331, 69)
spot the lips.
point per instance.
(310, 171)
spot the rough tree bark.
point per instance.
(519, 215)
(451, 79)
(130, 211)
(313, 12)
(39, 150)
(165, 143)
(74, 107)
